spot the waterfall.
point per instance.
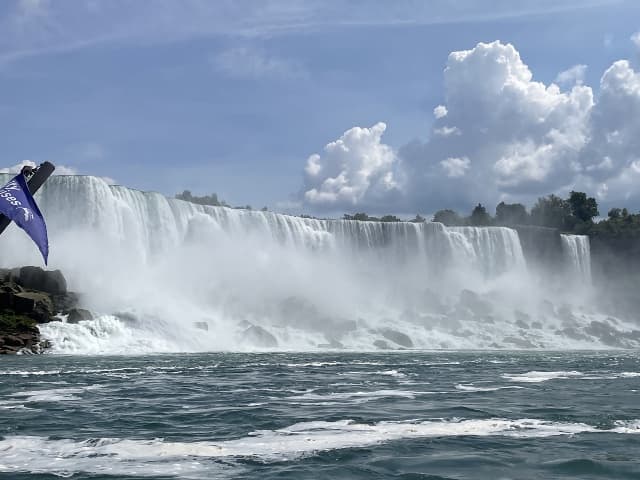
(577, 253)
(167, 275)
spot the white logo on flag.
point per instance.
(28, 214)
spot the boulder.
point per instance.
(259, 337)
(79, 314)
(34, 305)
(395, 336)
(475, 303)
(35, 278)
(382, 345)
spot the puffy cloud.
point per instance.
(499, 135)
(572, 76)
(440, 111)
(455, 167)
(60, 169)
(355, 166)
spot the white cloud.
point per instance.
(34, 27)
(455, 167)
(60, 169)
(526, 139)
(354, 167)
(572, 76)
(251, 62)
(446, 131)
(440, 111)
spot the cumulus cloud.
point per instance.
(355, 166)
(60, 169)
(455, 167)
(440, 111)
(499, 135)
(572, 76)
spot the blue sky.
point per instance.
(234, 97)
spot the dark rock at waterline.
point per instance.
(30, 296)
(382, 345)
(78, 315)
(604, 332)
(36, 278)
(395, 336)
(259, 337)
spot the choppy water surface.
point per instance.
(285, 415)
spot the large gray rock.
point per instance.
(395, 336)
(78, 315)
(35, 278)
(259, 337)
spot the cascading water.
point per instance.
(577, 252)
(167, 275)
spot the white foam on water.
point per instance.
(28, 373)
(355, 397)
(473, 388)
(391, 373)
(538, 376)
(156, 456)
(54, 394)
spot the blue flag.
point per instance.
(17, 203)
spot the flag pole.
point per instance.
(43, 172)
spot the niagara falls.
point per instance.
(300, 239)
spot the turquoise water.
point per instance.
(406, 415)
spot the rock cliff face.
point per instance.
(30, 296)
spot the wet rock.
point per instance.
(259, 337)
(35, 305)
(475, 303)
(78, 315)
(395, 336)
(519, 342)
(126, 317)
(573, 333)
(48, 281)
(522, 319)
(382, 345)
(605, 333)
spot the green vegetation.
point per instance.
(206, 200)
(11, 322)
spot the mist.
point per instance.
(165, 275)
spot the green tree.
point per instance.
(511, 214)
(582, 207)
(419, 219)
(553, 211)
(448, 217)
(390, 218)
(614, 213)
(479, 217)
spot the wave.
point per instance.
(117, 456)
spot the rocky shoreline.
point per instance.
(30, 296)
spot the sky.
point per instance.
(326, 107)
